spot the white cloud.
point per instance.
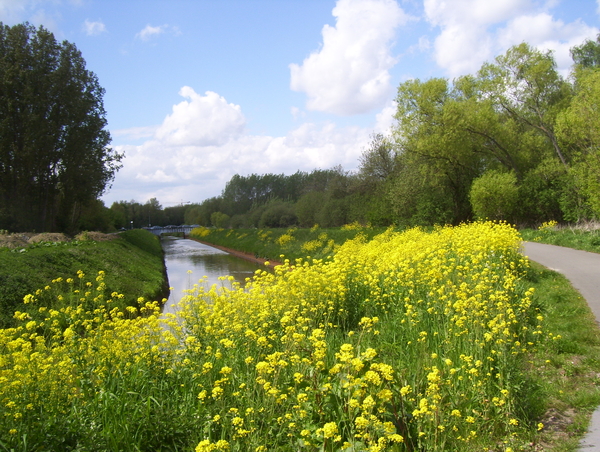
(464, 42)
(202, 143)
(385, 118)
(202, 121)
(349, 74)
(93, 28)
(149, 31)
(545, 33)
(475, 31)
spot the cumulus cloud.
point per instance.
(203, 142)
(201, 121)
(545, 33)
(474, 31)
(349, 74)
(149, 31)
(93, 28)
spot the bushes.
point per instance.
(494, 196)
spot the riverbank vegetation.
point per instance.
(515, 141)
(446, 340)
(584, 237)
(133, 262)
(293, 243)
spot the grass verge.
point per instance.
(133, 264)
(293, 243)
(571, 237)
(566, 372)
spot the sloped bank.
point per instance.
(241, 254)
(133, 263)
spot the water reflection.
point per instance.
(183, 255)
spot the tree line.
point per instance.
(516, 141)
(54, 156)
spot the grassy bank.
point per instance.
(132, 262)
(294, 243)
(436, 341)
(586, 238)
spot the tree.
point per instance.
(587, 54)
(436, 154)
(525, 84)
(378, 161)
(578, 128)
(54, 158)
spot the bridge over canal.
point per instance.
(159, 230)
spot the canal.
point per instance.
(187, 261)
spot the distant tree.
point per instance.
(378, 161)
(175, 215)
(587, 54)
(308, 207)
(119, 214)
(54, 158)
(96, 217)
(219, 219)
(278, 214)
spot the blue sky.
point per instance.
(199, 90)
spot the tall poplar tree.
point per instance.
(54, 154)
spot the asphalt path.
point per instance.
(583, 270)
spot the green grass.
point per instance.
(133, 264)
(564, 374)
(272, 243)
(571, 237)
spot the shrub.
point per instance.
(494, 196)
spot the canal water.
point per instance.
(187, 261)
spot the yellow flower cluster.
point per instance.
(200, 232)
(285, 239)
(411, 341)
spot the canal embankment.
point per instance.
(132, 263)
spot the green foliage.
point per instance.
(278, 215)
(54, 159)
(494, 196)
(541, 192)
(268, 243)
(219, 219)
(308, 207)
(587, 54)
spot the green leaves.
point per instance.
(54, 157)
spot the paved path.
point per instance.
(583, 270)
